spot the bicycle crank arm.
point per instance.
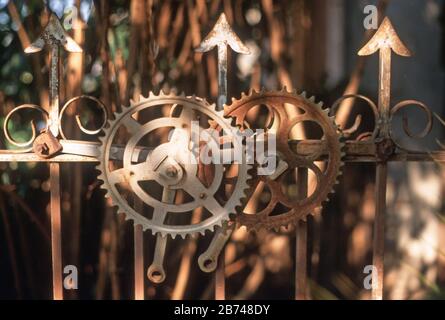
(208, 260)
(156, 272)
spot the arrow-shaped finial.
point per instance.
(222, 34)
(385, 37)
(385, 40)
(54, 34)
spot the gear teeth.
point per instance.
(134, 216)
(324, 113)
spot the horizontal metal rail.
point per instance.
(355, 151)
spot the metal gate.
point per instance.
(378, 147)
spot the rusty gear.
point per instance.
(169, 166)
(281, 123)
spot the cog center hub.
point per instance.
(170, 172)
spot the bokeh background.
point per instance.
(132, 47)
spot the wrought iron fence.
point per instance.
(334, 149)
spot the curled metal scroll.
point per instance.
(358, 120)
(102, 107)
(423, 107)
(26, 144)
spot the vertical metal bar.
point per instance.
(385, 41)
(379, 231)
(301, 241)
(220, 273)
(139, 278)
(56, 236)
(220, 284)
(222, 36)
(385, 89)
(54, 91)
(222, 76)
(381, 175)
(156, 271)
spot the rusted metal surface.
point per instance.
(301, 242)
(156, 272)
(208, 260)
(281, 125)
(139, 288)
(385, 41)
(54, 36)
(220, 277)
(46, 145)
(99, 103)
(379, 231)
(222, 36)
(56, 232)
(363, 151)
(32, 157)
(27, 145)
(54, 33)
(173, 173)
(356, 151)
(170, 165)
